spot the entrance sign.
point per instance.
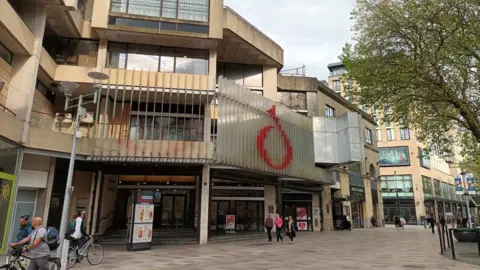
(256, 133)
(230, 222)
(472, 190)
(458, 185)
(140, 223)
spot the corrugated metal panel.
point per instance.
(256, 133)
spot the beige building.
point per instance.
(188, 118)
(413, 184)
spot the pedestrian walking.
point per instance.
(373, 220)
(348, 223)
(397, 222)
(443, 222)
(269, 227)
(402, 223)
(291, 229)
(432, 224)
(278, 227)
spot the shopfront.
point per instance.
(299, 207)
(402, 207)
(429, 207)
(357, 195)
(9, 156)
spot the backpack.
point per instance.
(53, 238)
(71, 226)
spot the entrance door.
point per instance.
(357, 215)
(24, 206)
(173, 211)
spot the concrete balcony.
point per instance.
(14, 33)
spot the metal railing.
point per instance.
(295, 72)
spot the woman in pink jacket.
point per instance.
(278, 226)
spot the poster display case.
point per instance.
(140, 220)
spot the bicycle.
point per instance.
(15, 261)
(76, 254)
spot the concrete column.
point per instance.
(94, 215)
(270, 82)
(44, 195)
(380, 213)
(279, 200)
(25, 69)
(367, 205)
(102, 53)
(316, 221)
(270, 205)
(205, 205)
(327, 209)
(198, 182)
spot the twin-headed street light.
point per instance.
(67, 88)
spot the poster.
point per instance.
(302, 226)
(145, 198)
(394, 156)
(143, 213)
(142, 233)
(471, 184)
(230, 222)
(458, 185)
(301, 213)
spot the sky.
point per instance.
(311, 32)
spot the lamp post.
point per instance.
(396, 191)
(67, 88)
(466, 195)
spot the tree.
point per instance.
(421, 58)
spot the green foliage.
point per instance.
(422, 59)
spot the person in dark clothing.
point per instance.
(432, 224)
(25, 229)
(397, 222)
(269, 227)
(443, 222)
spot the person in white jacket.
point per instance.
(402, 222)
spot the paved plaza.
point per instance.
(383, 248)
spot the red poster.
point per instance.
(230, 222)
(144, 198)
(302, 226)
(301, 213)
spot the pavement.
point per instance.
(380, 248)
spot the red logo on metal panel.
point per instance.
(262, 136)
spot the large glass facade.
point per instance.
(8, 163)
(427, 186)
(246, 75)
(192, 10)
(445, 191)
(438, 188)
(401, 208)
(156, 58)
(397, 184)
(166, 128)
(70, 51)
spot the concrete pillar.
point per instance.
(198, 186)
(96, 209)
(270, 205)
(25, 69)
(270, 82)
(327, 209)
(435, 208)
(367, 205)
(205, 205)
(316, 221)
(380, 213)
(44, 195)
(279, 209)
(102, 53)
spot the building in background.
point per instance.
(190, 115)
(414, 185)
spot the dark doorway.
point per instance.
(172, 213)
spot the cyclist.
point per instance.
(37, 246)
(79, 232)
(25, 229)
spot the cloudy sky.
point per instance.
(311, 32)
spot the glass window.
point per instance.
(193, 10)
(5, 54)
(144, 7)
(234, 72)
(167, 60)
(379, 135)
(70, 51)
(427, 185)
(405, 134)
(117, 55)
(368, 135)
(119, 6)
(336, 86)
(390, 134)
(188, 61)
(438, 189)
(166, 128)
(143, 57)
(253, 75)
(329, 111)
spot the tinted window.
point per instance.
(189, 61)
(142, 57)
(5, 54)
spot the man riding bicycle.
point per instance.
(37, 246)
(79, 232)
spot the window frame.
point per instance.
(368, 136)
(334, 85)
(329, 111)
(391, 131)
(9, 53)
(51, 98)
(159, 52)
(405, 134)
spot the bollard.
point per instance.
(64, 258)
(478, 242)
(440, 237)
(443, 237)
(448, 238)
(451, 243)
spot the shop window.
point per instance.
(393, 184)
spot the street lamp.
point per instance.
(396, 190)
(466, 197)
(67, 88)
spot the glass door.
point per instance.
(167, 211)
(24, 206)
(179, 211)
(173, 211)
